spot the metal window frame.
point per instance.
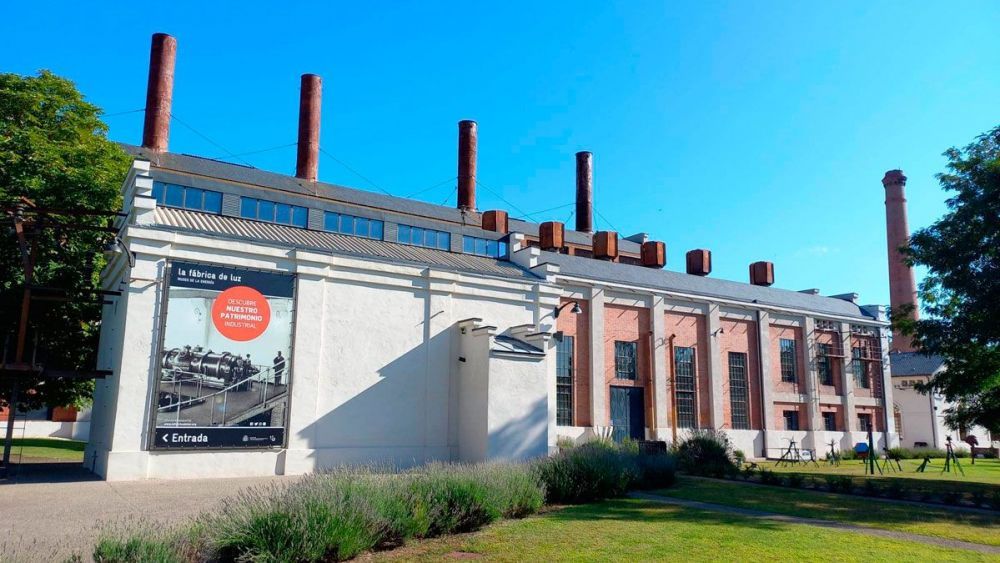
(739, 391)
(686, 386)
(829, 416)
(794, 418)
(564, 380)
(627, 363)
(787, 360)
(823, 364)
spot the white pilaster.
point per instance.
(814, 439)
(766, 381)
(598, 389)
(715, 375)
(661, 402)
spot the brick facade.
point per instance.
(741, 336)
(690, 331)
(630, 324)
(578, 326)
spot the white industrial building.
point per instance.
(272, 324)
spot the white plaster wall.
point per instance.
(49, 429)
(518, 408)
(374, 364)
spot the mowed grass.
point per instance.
(48, 448)
(636, 530)
(937, 522)
(984, 471)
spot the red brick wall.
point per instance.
(628, 324)
(791, 333)
(741, 336)
(779, 416)
(875, 379)
(878, 420)
(833, 339)
(578, 326)
(838, 410)
(690, 331)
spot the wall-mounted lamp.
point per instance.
(119, 246)
(576, 310)
(719, 331)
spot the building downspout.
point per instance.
(673, 387)
(760, 376)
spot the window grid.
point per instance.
(860, 368)
(788, 368)
(419, 236)
(830, 421)
(186, 197)
(274, 212)
(685, 387)
(791, 420)
(824, 364)
(564, 381)
(625, 353)
(738, 393)
(484, 247)
(865, 422)
(351, 225)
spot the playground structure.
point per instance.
(793, 455)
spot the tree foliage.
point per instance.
(961, 292)
(55, 152)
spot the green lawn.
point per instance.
(984, 471)
(48, 448)
(634, 530)
(938, 522)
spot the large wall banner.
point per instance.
(225, 358)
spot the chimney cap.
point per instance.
(893, 177)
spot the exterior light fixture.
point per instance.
(576, 310)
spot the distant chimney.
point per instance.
(606, 245)
(159, 92)
(310, 103)
(902, 285)
(699, 262)
(495, 221)
(653, 254)
(467, 140)
(552, 235)
(585, 192)
(762, 273)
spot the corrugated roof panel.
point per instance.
(219, 225)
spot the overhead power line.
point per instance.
(217, 145)
(355, 172)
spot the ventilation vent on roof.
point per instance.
(762, 273)
(552, 235)
(654, 254)
(606, 245)
(699, 262)
(495, 221)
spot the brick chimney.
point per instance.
(552, 235)
(467, 141)
(762, 273)
(159, 92)
(699, 262)
(310, 102)
(585, 192)
(902, 285)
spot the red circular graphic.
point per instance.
(241, 313)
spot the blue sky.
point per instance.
(758, 130)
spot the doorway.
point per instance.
(628, 413)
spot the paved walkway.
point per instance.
(51, 521)
(763, 515)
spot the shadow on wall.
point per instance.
(522, 437)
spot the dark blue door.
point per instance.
(628, 415)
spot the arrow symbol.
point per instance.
(165, 439)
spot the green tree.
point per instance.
(961, 292)
(54, 151)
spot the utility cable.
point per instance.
(500, 197)
(254, 152)
(414, 194)
(355, 172)
(117, 113)
(613, 228)
(203, 136)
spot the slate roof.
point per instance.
(700, 285)
(182, 220)
(908, 364)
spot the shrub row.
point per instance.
(339, 515)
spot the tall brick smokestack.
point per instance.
(585, 192)
(310, 102)
(902, 285)
(467, 140)
(159, 92)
